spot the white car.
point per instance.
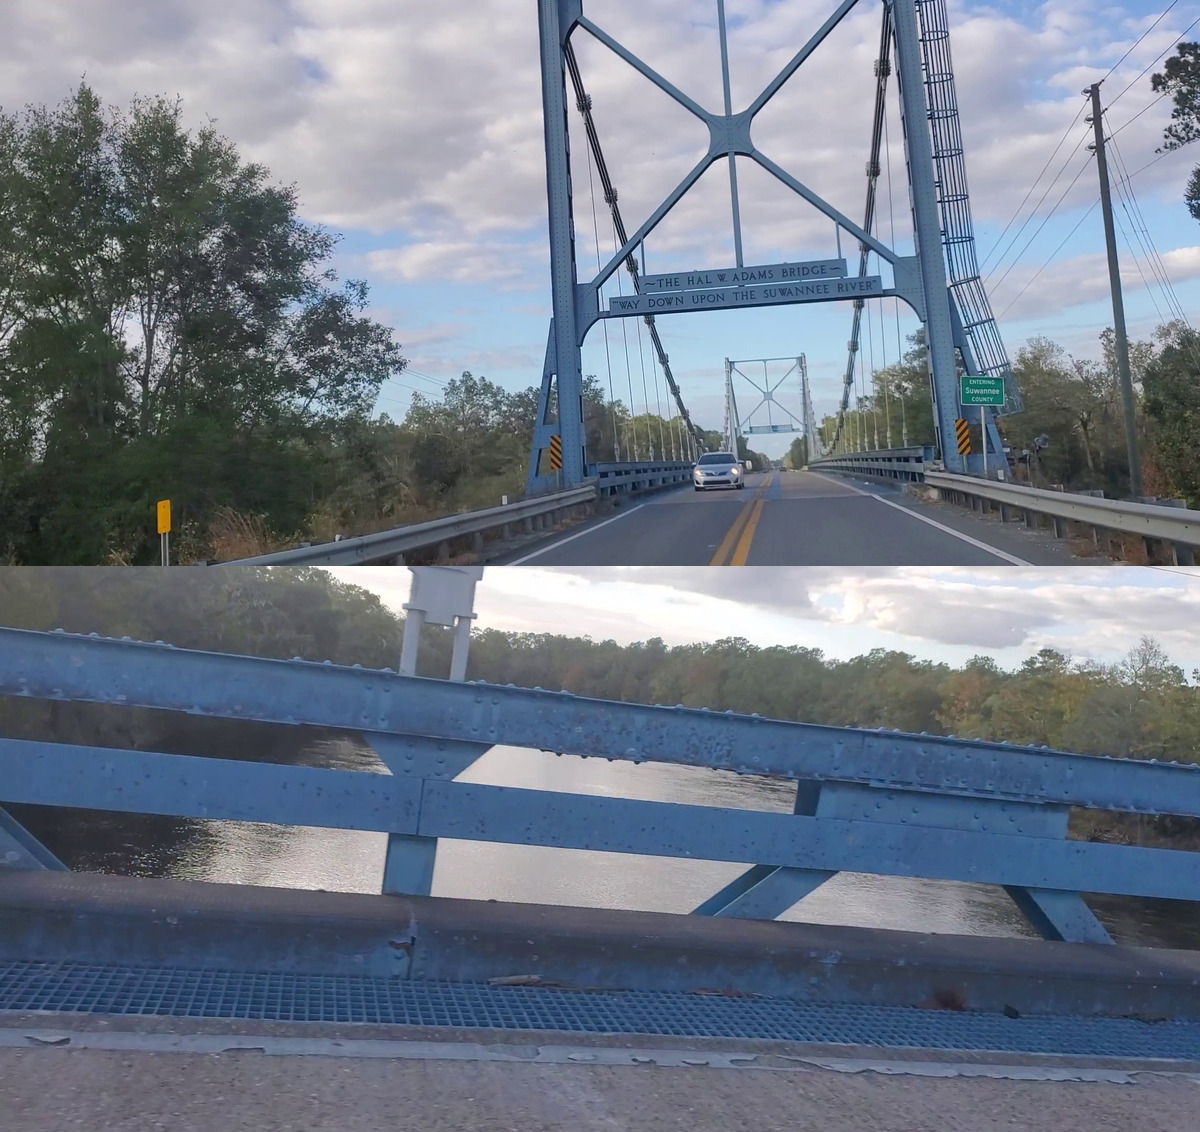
(718, 469)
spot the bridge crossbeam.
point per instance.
(885, 803)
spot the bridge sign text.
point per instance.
(746, 276)
(715, 298)
(976, 390)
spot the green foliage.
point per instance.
(1171, 392)
(168, 327)
(1180, 78)
(898, 399)
(1141, 706)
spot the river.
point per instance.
(348, 861)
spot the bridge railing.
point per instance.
(1166, 521)
(610, 479)
(469, 528)
(438, 535)
(906, 464)
(865, 801)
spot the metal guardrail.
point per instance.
(866, 801)
(1162, 521)
(532, 514)
(391, 546)
(613, 478)
(906, 464)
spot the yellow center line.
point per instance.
(743, 547)
(731, 545)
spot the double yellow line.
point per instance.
(735, 546)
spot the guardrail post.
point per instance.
(1098, 535)
(1181, 553)
(1150, 544)
(1060, 527)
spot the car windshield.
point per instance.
(718, 458)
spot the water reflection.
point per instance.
(349, 861)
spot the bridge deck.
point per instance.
(83, 942)
(796, 518)
(135, 1003)
(254, 1084)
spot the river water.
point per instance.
(340, 860)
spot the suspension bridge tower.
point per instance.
(939, 280)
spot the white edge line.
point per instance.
(572, 538)
(940, 526)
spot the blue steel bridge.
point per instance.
(886, 803)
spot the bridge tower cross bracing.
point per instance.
(922, 280)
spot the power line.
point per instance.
(1041, 200)
(1066, 134)
(1029, 191)
(417, 373)
(1153, 252)
(1042, 225)
(1136, 261)
(1050, 257)
(1143, 168)
(1176, 40)
(1143, 110)
(1139, 39)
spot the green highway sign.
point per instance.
(975, 390)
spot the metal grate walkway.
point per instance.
(81, 988)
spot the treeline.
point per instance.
(1142, 706)
(1074, 403)
(171, 328)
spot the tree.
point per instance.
(168, 326)
(1171, 392)
(1180, 78)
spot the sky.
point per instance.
(415, 130)
(937, 613)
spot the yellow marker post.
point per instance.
(164, 530)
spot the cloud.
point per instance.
(505, 263)
(421, 122)
(1083, 279)
(1089, 611)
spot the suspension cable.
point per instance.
(887, 156)
(610, 197)
(604, 322)
(637, 452)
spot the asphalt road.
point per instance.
(794, 519)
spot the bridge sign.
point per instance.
(976, 390)
(717, 298)
(746, 276)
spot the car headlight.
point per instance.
(735, 471)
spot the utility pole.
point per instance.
(1118, 303)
